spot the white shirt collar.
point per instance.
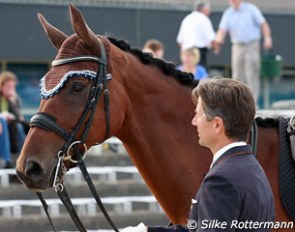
(220, 152)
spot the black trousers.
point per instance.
(203, 57)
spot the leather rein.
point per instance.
(47, 122)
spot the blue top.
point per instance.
(242, 24)
(4, 141)
(199, 74)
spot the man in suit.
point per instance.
(235, 195)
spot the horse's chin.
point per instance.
(37, 186)
(34, 186)
(37, 190)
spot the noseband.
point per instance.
(48, 122)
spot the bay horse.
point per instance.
(150, 112)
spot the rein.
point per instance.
(48, 123)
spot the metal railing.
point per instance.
(85, 206)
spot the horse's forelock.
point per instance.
(74, 46)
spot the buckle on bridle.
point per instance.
(69, 157)
(57, 182)
(61, 168)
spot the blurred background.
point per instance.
(26, 51)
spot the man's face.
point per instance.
(235, 3)
(204, 127)
(207, 11)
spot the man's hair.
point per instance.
(198, 5)
(230, 100)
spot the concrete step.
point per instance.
(108, 158)
(64, 223)
(121, 188)
(125, 184)
(103, 174)
(84, 206)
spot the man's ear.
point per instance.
(218, 125)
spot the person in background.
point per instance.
(155, 47)
(5, 155)
(244, 22)
(196, 30)
(236, 188)
(190, 58)
(10, 109)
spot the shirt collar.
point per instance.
(241, 7)
(220, 152)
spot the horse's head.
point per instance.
(74, 105)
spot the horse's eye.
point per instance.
(78, 87)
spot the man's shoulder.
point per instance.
(238, 160)
(240, 170)
(194, 15)
(229, 10)
(245, 6)
(249, 6)
(235, 164)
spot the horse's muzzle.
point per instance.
(33, 176)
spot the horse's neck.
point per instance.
(160, 140)
(159, 111)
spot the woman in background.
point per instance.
(10, 109)
(190, 63)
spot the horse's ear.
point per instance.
(82, 30)
(55, 36)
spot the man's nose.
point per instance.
(194, 121)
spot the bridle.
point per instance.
(48, 122)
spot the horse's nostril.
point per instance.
(33, 169)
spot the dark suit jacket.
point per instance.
(234, 192)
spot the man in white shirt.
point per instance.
(196, 30)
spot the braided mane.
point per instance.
(170, 69)
(167, 67)
(267, 122)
